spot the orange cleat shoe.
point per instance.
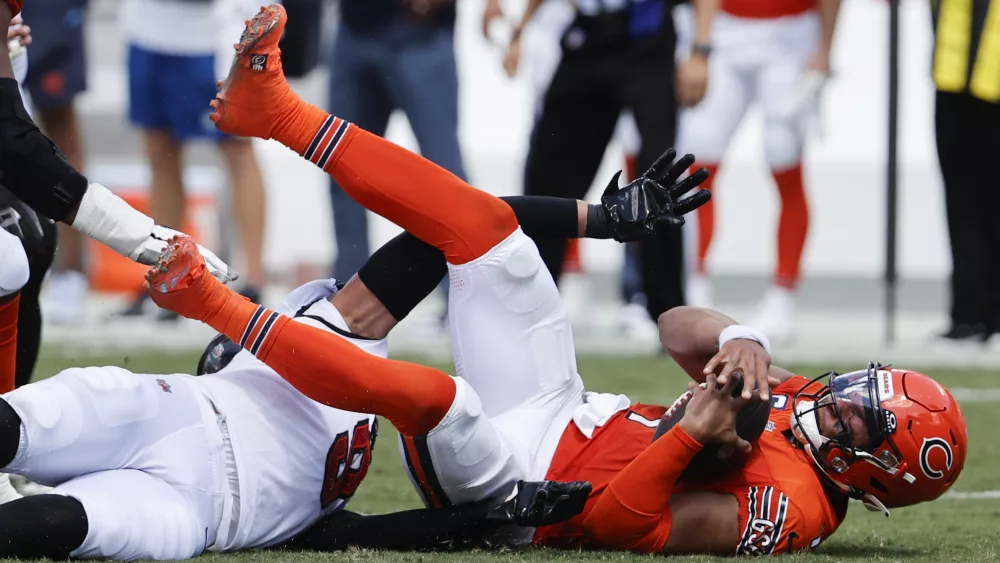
(180, 282)
(255, 96)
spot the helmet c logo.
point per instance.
(925, 453)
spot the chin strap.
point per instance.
(874, 505)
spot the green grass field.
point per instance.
(946, 530)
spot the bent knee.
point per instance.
(488, 222)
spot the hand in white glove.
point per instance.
(147, 253)
(803, 103)
(110, 220)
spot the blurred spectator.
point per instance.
(775, 53)
(391, 55)
(967, 121)
(18, 39)
(172, 77)
(56, 75)
(615, 55)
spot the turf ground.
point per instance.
(952, 529)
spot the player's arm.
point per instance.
(829, 10)
(405, 270)
(461, 526)
(704, 341)
(8, 10)
(637, 510)
(37, 172)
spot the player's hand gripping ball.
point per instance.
(714, 460)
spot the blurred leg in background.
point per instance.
(782, 87)
(357, 94)
(385, 62)
(57, 74)
(961, 143)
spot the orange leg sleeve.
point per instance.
(421, 197)
(706, 217)
(793, 225)
(8, 342)
(332, 371)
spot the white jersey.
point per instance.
(171, 27)
(296, 459)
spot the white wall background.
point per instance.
(845, 168)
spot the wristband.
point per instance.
(744, 332)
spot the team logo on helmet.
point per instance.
(929, 445)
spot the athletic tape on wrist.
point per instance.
(108, 219)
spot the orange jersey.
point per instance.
(784, 505)
(598, 459)
(766, 9)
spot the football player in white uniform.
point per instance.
(170, 466)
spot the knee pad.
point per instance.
(32, 166)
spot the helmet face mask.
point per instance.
(864, 429)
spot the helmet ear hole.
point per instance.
(877, 485)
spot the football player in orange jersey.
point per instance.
(775, 53)
(519, 410)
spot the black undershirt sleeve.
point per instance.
(405, 270)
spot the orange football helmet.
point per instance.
(912, 445)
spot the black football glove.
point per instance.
(540, 503)
(651, 203)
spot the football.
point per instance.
(715, 461)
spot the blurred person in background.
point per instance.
(393, 55)
(56, 75)
(775, 53)
(612, 55)
(967, 124)
(18, 39)
(172, 78)
(548, 24)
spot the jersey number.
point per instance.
(347, 464)
(636, 417)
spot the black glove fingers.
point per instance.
(677, 170)
(687, 184)
(692, 202)
(661, 166)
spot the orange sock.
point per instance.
(706, 217)
(8, 342)
(421, 197)
(793, 225)
(332, 371)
